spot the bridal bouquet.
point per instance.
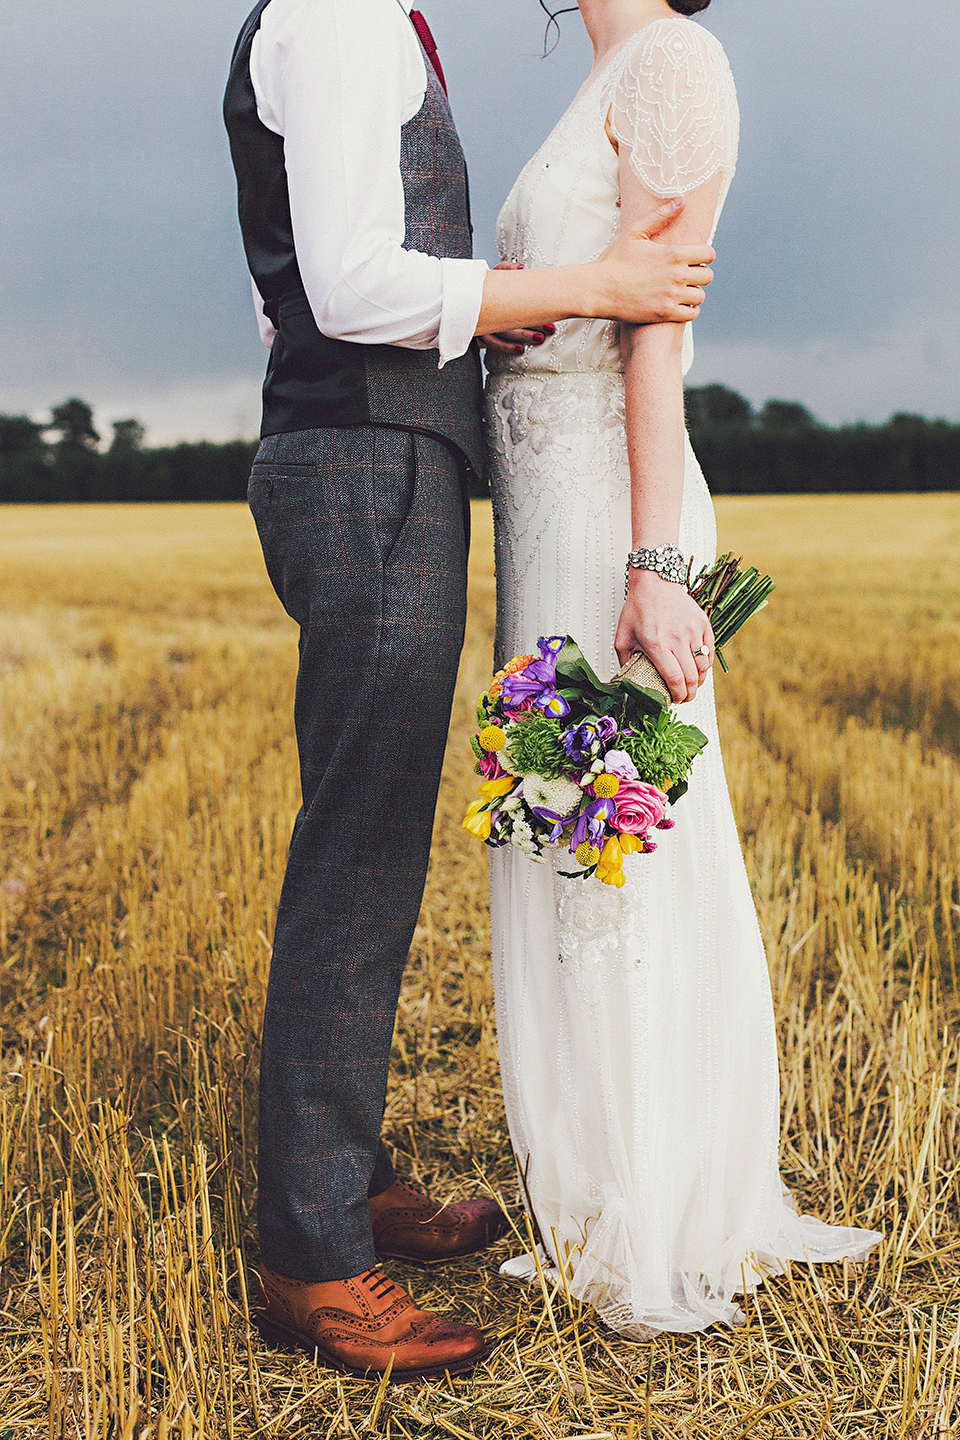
(569, 760)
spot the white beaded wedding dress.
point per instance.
(636, 1028)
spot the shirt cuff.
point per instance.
(462, 298)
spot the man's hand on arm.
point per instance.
(637, 279)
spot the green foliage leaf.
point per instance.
(647, 701)
(573, 668)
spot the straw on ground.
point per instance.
(147, 787)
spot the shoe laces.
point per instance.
(377, 1283)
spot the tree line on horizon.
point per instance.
(779, 449)
(782, 449)
(64, 459)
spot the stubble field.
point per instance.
(147, 788)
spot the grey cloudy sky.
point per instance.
(123, 280)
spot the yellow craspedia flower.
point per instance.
(587, 854)
(477, 821)
(605, 786)
(492, 739)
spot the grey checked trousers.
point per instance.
(364, 537)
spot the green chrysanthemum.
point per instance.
(533, 745)
(665, 751)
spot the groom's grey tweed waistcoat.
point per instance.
(312, 380)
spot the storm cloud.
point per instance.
(123, 278)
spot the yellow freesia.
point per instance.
(629, 844)
(606, 876)
(610, 876)
(477, 821)
(610, 868)
(493, 789)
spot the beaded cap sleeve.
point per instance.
(674, 107)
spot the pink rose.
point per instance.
(521, 707)
(638, 807)
(490, 766)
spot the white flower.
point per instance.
(562, 796)
(525, 842)
(504, 757)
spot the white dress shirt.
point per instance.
(337, 79)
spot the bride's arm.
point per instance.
(637, 278)
(658, 616)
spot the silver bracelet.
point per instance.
(667, 561)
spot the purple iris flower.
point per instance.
(591, 824)
(527, 684)
(538, 682)
(583, 741)
(552, 704)
(552, 818)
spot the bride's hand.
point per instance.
(648, 280)
(514, 342)
(660, 618)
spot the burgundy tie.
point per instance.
(429, 44)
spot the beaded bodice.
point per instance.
(668, 98)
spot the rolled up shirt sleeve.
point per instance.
(338, 79)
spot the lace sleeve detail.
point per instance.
(674, 107)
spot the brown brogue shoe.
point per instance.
(409, 1226)
(359, 1325)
